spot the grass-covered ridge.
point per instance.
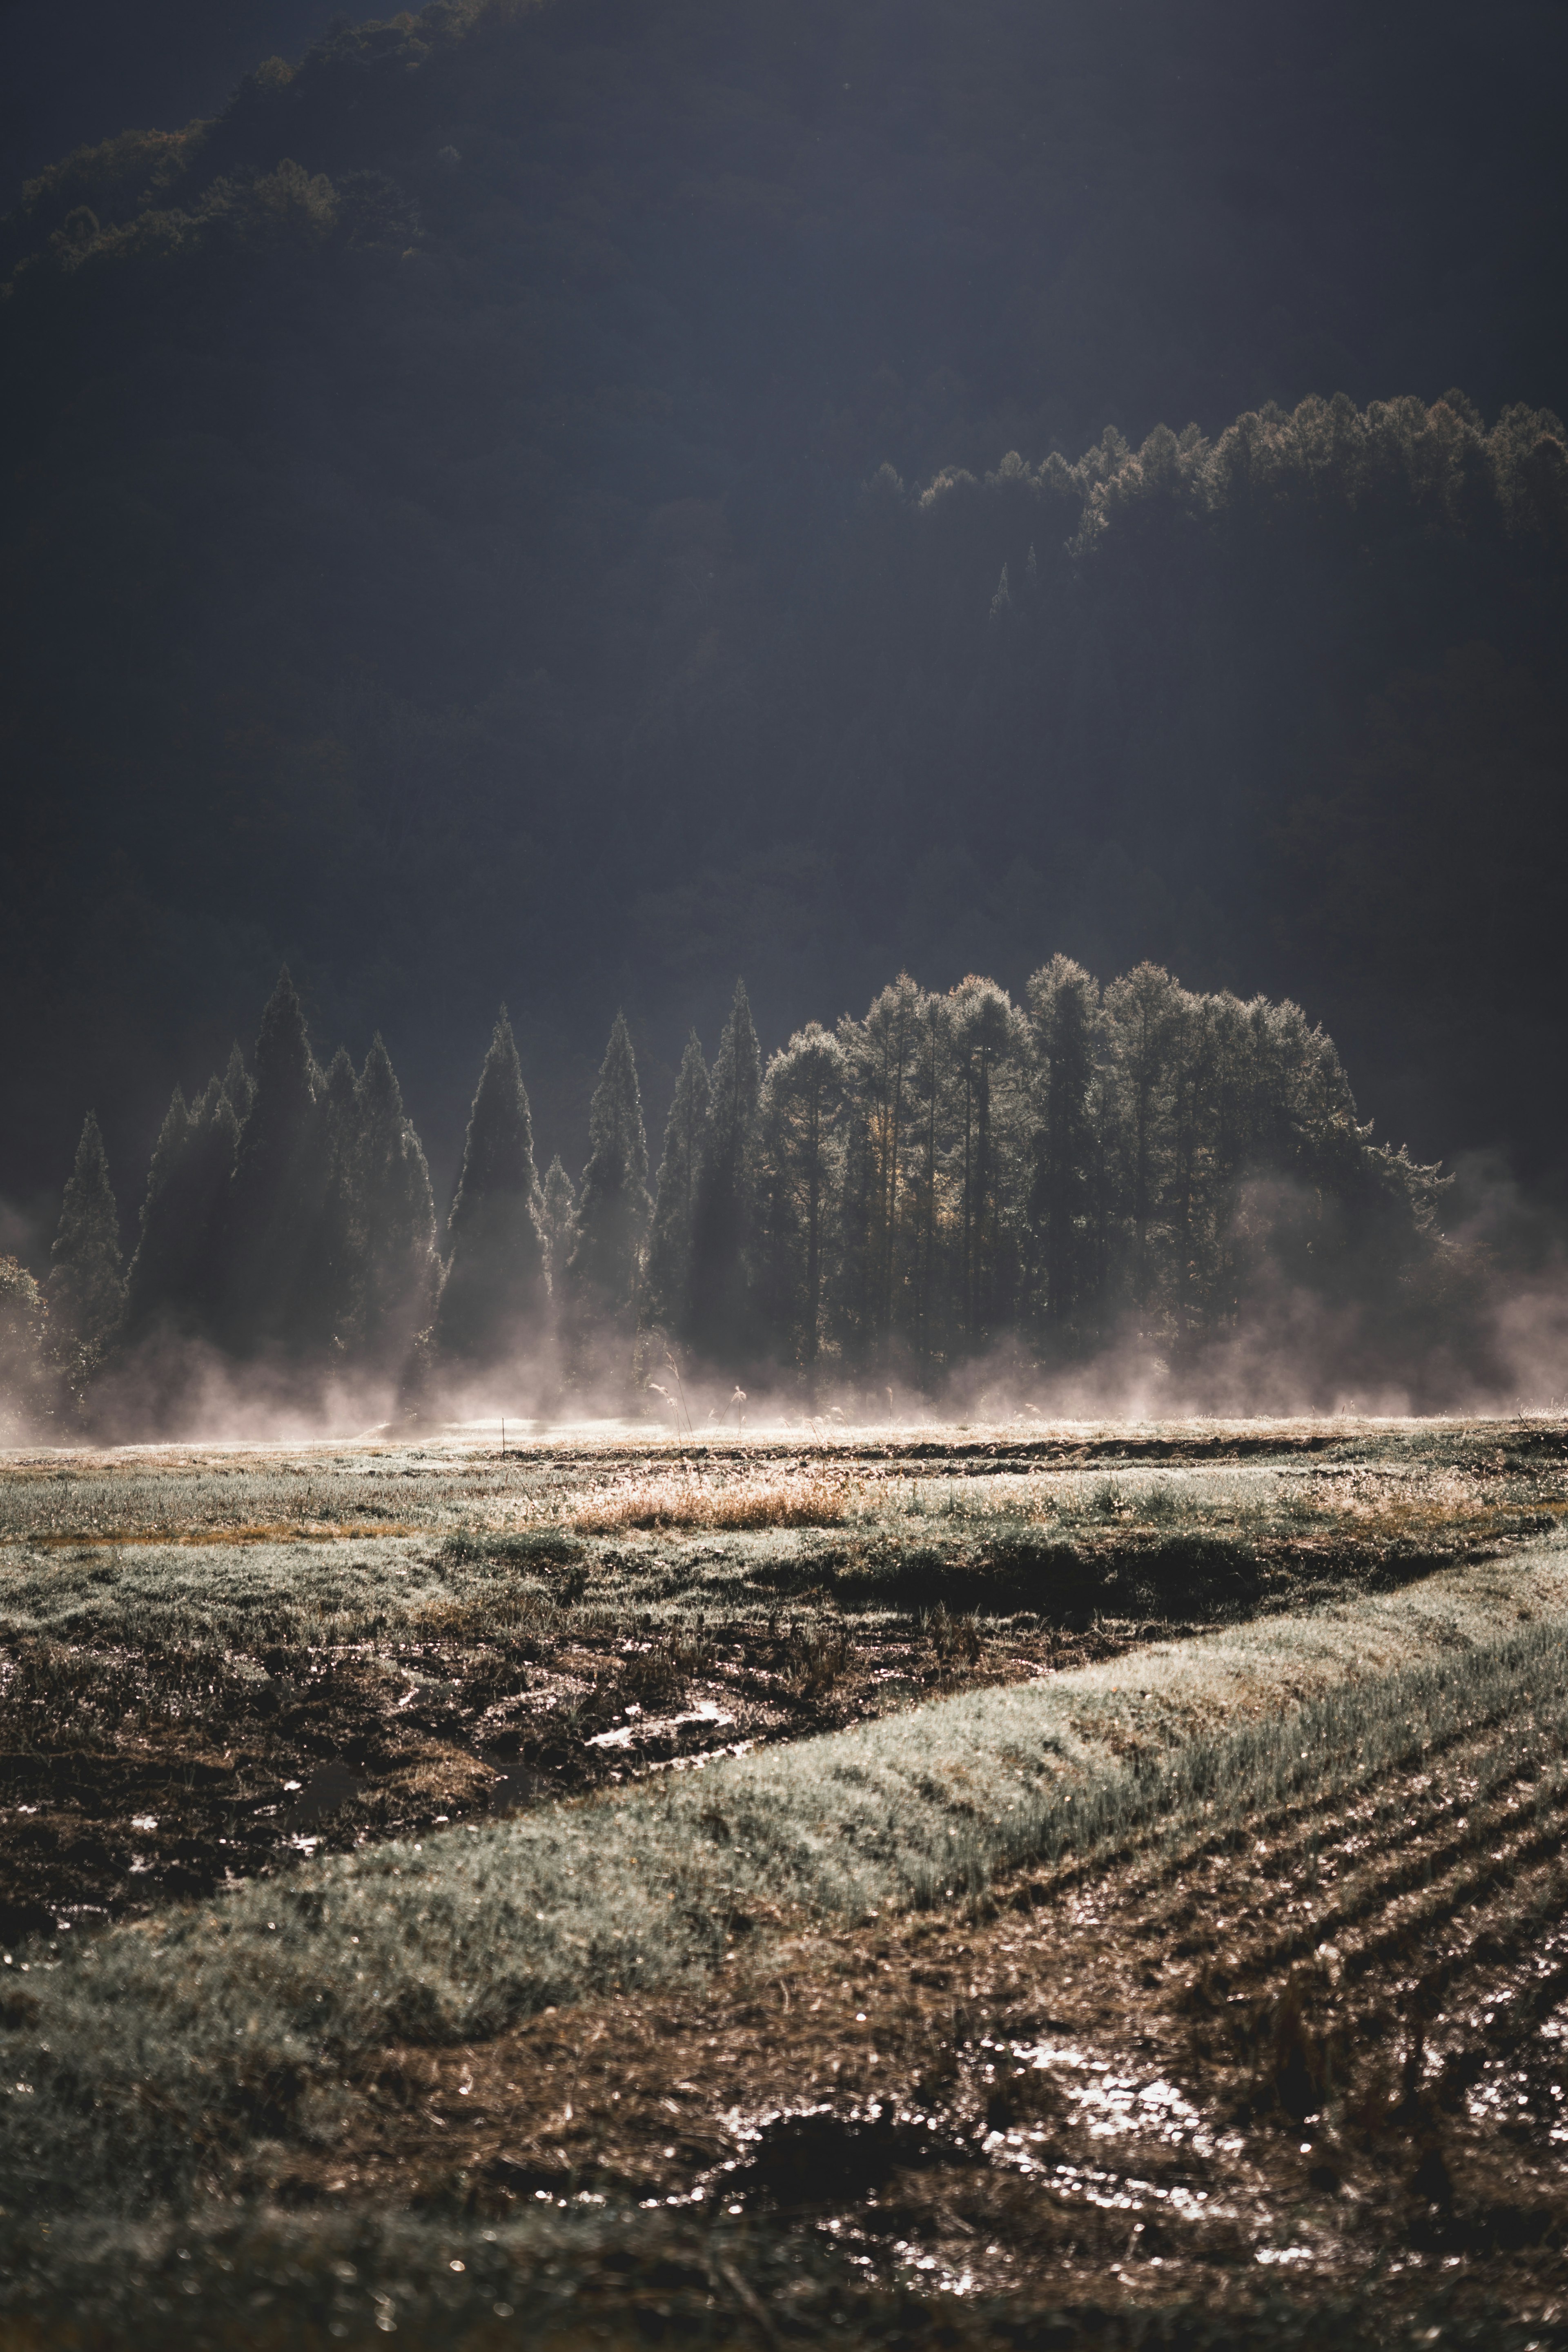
(154, 2055)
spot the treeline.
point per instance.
(658, 294)
(888, 1199)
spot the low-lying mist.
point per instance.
(1125, 1201)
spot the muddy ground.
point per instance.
(1325, 2059)
(322, 1751)
(1309, 2068)
(134, 1773)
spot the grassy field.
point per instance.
(876, 1883)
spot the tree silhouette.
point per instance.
(493, 1301)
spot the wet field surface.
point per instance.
(1330, 2052)
(1318, 2055)
(163, 1765)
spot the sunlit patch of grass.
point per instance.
(811, 1497)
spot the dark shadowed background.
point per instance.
(445, 543)
(77, 71)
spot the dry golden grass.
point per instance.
(809, 1498)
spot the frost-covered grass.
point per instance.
(151, 2060)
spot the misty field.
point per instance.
(830, 1878)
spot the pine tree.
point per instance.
(933, 1072)
(239, 1085)
(331, 1296)
(613, 1205)
(668, 1283)
(279, 1182)
(800, 1156)
(494, 1299)
(86, 1287)
(558, 1224)
(987, 1036)
(882, 1051)
(721, 1229)
(1141, 1013)
(394, 1216)
(177, 1272)
(1065, 1004)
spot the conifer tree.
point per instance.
(331, 1296)
(558, 1222)
(279, 1182)
(239, 1085)
(801, 1157)
(86, 1287)
(668, 1284)
(722, 1218)
(394, 1215)
(494, 1299)
(177, 1271)
(1065, 1004)
(882, 1051)
(987, 1037)
(613, 1205)
(1142, 1012)
(933, 1058)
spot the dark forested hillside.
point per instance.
(522, 504)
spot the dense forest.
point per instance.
(568, 501)
(953, 1181)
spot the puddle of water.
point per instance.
(1112, 2105)
(706, 1710)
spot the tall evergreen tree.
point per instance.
(176, 1275)
(668, 1291)
(883, 1052)
(494, 1299)
(801, 1166)
(331, 1296)
(1142, 1012)
(558, 1222)
(239, 1085)
(933, 1059)
(394, 1215)
(86, 1287)
(279, 1182)
(721, 1219)
(988, 1040)
(613, 1205)
(1064, 1004)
